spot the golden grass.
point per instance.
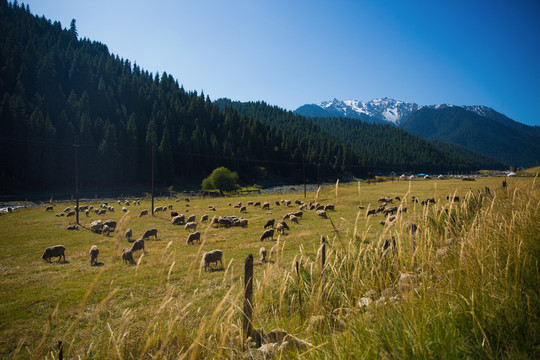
(167, 307)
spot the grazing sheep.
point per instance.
(391, 218)
(129, 234)
(277, 203)
(293, 218)
(280, 228)
(243, 223)
(266, 205)
(285, 226)
(110, 208)
(148, 233)
(59, 214)
(192, 218)
(174, 213)
(329, 207)
(71, 213)
(54, 251)
(94, 252)
(371, 212)
(68, 209)
(96, 226)
(72, 227)
(87, 213)
(204, 218)
(191, 226)
(196, 236)
(211, 208)
(397, 198)
(124, 209)
(49, 208)
(402, 210)
(270, 223)
(223, 222)
(170, 207)
(453, 198)
(212, 257)
(243, 209)
(119, 202)
(110, 223)
(250, 203)
(322, 214)
(102, 212)
(267, 234)
(258, 203)
(389, 210)
(178, 220)
(382, 223)
(262, 253)
(127, 256)
(143, 212)
(138, 245)
(106, 230)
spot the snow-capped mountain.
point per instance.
(383, 109)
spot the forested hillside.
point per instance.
(383, 148)
(56, 90)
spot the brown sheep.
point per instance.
(129, 234)
(151, 232)
(127, 256)
(143, 212)
(94, 252)
(178, 220)
(293, 218)
(204, 218)
(243, 209)
(270, 223)
(49, 208)
(191, 226)
(196, 236)
(212, 257)
(54, 251)
(138, 245)
(280, 228)
(322, 214)
(266, 205)
(191, 218)
(267, 234)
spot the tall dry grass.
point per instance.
(465, 285)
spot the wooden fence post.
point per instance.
(248, 297)
(323, 252)
(61, 350)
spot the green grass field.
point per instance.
(478, 300)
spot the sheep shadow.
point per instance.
(97, 264)
(216, 269)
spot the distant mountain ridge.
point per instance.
(478, 128)
(385, 109)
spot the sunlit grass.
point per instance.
(474, 297)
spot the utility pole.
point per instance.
(153, 157)
(76, 147)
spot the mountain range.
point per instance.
(478, 128)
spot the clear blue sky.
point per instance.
(289, 53)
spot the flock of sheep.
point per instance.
(215, 256)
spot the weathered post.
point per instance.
(76, 146)
(248, 297)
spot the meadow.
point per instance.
(465, 285)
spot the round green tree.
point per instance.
(221, 179)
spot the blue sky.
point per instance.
(289, 53)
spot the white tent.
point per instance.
(511, 174)
(403, 176)
(412, 177)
